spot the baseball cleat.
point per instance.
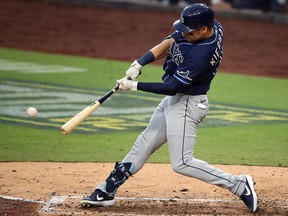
(249, 195)
(98, 198)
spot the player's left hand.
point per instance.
(126, 85)
(134, 70)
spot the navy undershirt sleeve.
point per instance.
(170, 88)
(146, 58)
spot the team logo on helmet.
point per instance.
(182, 18)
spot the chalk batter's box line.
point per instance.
(60, 199)
(50, 206)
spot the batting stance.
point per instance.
(193, 54)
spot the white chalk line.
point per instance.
(35, 68)
(22, 199)
(50, 207)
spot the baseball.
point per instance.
(32, 112)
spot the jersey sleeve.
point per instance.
(176, 35)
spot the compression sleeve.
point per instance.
(146, 58)
(170, 88)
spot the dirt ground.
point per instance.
(173, 194)
(251, 47)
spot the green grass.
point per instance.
(252, 144)
(47, 145)
(102, 74)
(262, 92)
(249, 144)
(237, 89)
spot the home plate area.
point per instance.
(41, 189)
(69, 205)
(136, 206)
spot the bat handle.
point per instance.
(112, 91)
(117, 87)
(108, 94)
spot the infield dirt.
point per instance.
(173, 194)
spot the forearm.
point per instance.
(157, 52)
(161, 50)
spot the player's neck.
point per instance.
(209, 33)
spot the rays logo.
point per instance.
(184, 74)
(176, 54)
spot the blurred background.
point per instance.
(269, 8)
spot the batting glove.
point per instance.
(126, 85)
(134, 71)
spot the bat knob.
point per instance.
(63, 131)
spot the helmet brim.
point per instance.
(177, 25)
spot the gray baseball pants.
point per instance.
(175, 122)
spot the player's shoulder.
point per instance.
(218, 26)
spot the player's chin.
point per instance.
(189, 40)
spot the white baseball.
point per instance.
(32, 112)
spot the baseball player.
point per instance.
(193, 54)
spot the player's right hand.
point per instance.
(134, 71)
(126, 84)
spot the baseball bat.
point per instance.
(81, 116)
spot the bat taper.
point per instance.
(81, 116)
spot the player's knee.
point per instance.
(178, 167)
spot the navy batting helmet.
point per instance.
(194, 16)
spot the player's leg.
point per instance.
(187, 114)
(152, 138)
